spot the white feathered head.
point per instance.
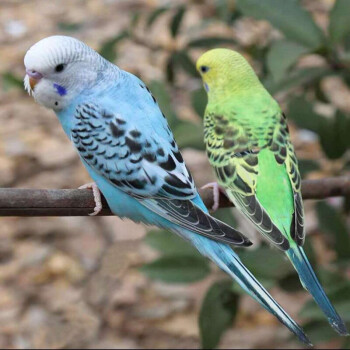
(58, 68)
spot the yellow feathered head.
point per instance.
(224, 69)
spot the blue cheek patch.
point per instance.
(206, 87)
(60, 89)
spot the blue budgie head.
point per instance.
(59, 68)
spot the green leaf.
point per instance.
(290, 283)
(339, 289)
(188, 134)
(218, 311)
(343, 126)
(227, 216)
(297, 78)
(287, 16)
(306, 166)
(108, 48)
(346, 342)
(319, 331)
(155, 14)
(10, 81)
(199, 101)
(183, 60)
(302, 113)
(170, 74)
(177, 269)
(170, 244)
(334, 224)
(265, 262)
(176, 21)
(222, 9)
(69, 26)
(347, 43)
(345, 57)
(310, 251)
(162, 96)
(334, 282)
(210, 42)
(225, 11)
(134, 20)
(282, 55)
(312, 311)
(339, 24)
(334, 135)
(319, 94)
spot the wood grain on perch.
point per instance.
(39, 202)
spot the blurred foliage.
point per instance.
(9, 81)
(301, 85)
(220, 304)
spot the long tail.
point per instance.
(310, 282)
(228, 261)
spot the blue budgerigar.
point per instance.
(127, 147)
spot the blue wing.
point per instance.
(138, 155)
(139, 164)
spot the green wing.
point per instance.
(236, 149)
(283, 150)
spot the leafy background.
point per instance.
(103, 282)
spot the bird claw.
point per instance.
(97, 197)
(216, 193)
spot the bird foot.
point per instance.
(97, 197)
(216, 193)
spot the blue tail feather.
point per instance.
(229, 261)
(223, 256)
(310, 282)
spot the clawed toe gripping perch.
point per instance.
(216, 194)
(97, 197)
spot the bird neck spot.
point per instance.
(60, 89)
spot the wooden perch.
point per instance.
(32, 202)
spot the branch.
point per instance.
(31, 202)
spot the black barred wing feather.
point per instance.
(139, 165)
(233, 150)
(284, 154)
(188, 215)
(297, 227)
(251, 206)
(147, 165)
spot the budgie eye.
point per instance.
(59, 68)
(204, 69)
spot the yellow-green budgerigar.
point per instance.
(248, 144)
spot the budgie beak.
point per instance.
(34, 77)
